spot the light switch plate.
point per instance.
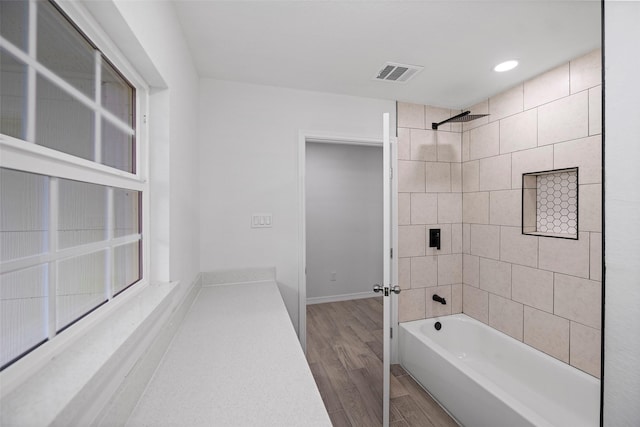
(261, 220)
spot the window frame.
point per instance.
(27, 156)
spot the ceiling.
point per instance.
(338, 46)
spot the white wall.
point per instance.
(343, 219)
(622, 205)
(248, 164)
(173, 144)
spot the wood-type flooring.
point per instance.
(344, 351)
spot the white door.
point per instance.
(386, 288)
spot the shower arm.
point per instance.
(434, 126)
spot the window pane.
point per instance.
(63, 50)
(126, 266)
(14, 22)
(126, 205)
(13, 94)
(82, 213)
(80, 287)
(117, 94)
(23, 308)
(117, 148)
(62, 123)
(24, 214)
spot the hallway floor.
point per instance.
(344, 350)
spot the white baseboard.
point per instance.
(343, 297)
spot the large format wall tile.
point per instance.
(495, 277)
(411, 177)
(590, 207)
(506, 103)
(404, 144)
(534, 160)
(585, 153)
(565, 255)
(595, 258)
(595, 110)
(411, 240)
(475, 303)
(471, 270)
(585, 350)
(404, 208)
(423, 145)
(456, 298)
(532, 287)
(506, 316)
(410, 115)
(411, 305)
(424, 208)
(484, 141)
(505, 207)
(471, 176)
(456, 238)
(475, 208)
(438, 177)
(449, 269)
(547, 87)
(495, 173)
(437, 115)
(404, 273)
(424, 271)
(449, 146)
(564, 119)
(449, 207)
(577, 299)
(586, 71)
(485, 241)
(519, 132)
(547, 333)
(518, 248)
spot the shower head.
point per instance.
(462, 117)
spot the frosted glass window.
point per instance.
(117, 148)
(82, 213)
(126, 266)
(80, 287)
(13, 22)
(24, 213)
(13, 94)
(64, 50)
(117, 93)
(66, 245)
(62, 122)
(23, 309)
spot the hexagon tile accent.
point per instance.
(557, 202)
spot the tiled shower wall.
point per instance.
(543, 291)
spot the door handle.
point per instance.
(395, 289)
(377, 288)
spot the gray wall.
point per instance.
(343, 219)
(622, 203)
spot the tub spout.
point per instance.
(439, 299)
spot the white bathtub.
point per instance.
(485, 378)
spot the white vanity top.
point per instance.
(235, 361)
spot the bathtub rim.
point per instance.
(413, 327)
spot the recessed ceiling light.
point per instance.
(506, 66)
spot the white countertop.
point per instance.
(235, 361)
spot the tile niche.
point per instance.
(550, 203)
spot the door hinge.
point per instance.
(391, 333)
(144, 119)
(390, 173)
(391, 252)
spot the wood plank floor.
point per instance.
(344, 350)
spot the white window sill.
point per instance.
(69, 379)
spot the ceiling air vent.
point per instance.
(400, 73)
